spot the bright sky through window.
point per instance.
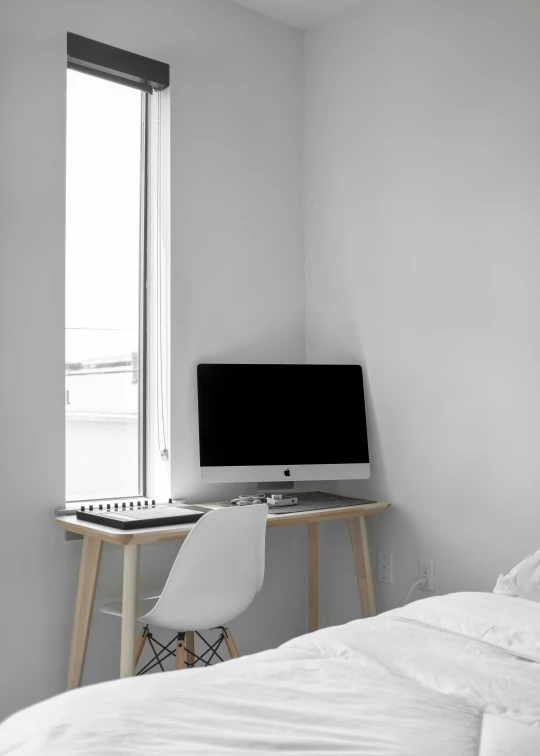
(103, 197)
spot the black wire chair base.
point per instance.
(163, 652)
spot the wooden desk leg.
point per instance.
(359, 543)
(129, 610)
(84, 603)
(313, 576)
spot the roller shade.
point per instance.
(112, 63)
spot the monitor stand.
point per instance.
(276, 487)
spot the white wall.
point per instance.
(422, 177)
(236, 240)
(422, 263)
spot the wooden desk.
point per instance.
(94, 535)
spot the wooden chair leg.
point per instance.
(233, 651)
(180, 650)
(190, 647)
(141, 640)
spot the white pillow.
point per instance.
(523, 580)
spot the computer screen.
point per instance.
(270, 422)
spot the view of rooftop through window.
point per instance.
(103, 266)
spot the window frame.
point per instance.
(144, 249)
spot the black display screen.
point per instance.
(254, 415)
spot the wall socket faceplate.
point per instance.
(385, 566)
(425, 570)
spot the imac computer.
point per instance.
(276, 424)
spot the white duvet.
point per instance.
(448, 676)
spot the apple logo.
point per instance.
(287, 473)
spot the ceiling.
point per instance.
(304, 14)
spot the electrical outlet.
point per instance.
(425, 570)
(385, 566)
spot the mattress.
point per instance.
(457, 675)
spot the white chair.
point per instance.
(215, 577)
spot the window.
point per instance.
(104, 276)
(106, 271)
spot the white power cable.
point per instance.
(421, 582)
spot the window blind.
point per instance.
(112, 63)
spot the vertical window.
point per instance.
(110, 201)
(105, 288)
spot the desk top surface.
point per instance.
(173, 532)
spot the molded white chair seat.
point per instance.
(215, 577)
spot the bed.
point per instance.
(457, 675)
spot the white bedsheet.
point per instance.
(419, 680)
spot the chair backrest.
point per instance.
(218, 570)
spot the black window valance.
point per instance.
(117, 65)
